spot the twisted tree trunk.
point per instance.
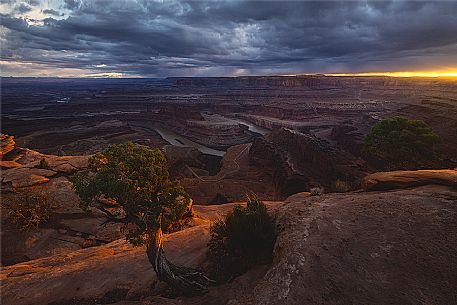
(187, 280)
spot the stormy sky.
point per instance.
(224, 38)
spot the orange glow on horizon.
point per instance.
(446, 73)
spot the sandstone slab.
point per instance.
(26, 156)
(66, 164)
(297, 197)
(92, 272)
(402, 179)
(22, 176)
(9, 164)
(392, 247)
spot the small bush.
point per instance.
(342, 186)
(316, 191)
(243, 239)
(399, 140)
(43, 164)
(26, 210)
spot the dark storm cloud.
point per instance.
(33, 2)
(22, 8)
(231, 37)
(72, 4)
(52, 12)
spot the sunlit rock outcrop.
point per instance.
(7, 144)
(402, 179)
(24, 167)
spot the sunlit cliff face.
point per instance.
(138, 38)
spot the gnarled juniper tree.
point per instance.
(137, 178)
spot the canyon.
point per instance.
(293, 118)
(369, 235)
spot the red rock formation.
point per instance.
(7, 144)
(297, 161)
(348, 137)
(235, 179)
(30, 171)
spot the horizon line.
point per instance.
(450, 74)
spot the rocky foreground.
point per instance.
(391, 247)
(70, 228)
(393, 242)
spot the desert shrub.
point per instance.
(316, 191)
(399, 140)
(341, 186)
(244, 238)
(27, 209)
(43, 164)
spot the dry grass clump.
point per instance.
(342, 186)
(316, 191)
(27, 209)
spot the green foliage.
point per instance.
(243, 239)
(27, 209)
(400, 139)
(137, 178)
